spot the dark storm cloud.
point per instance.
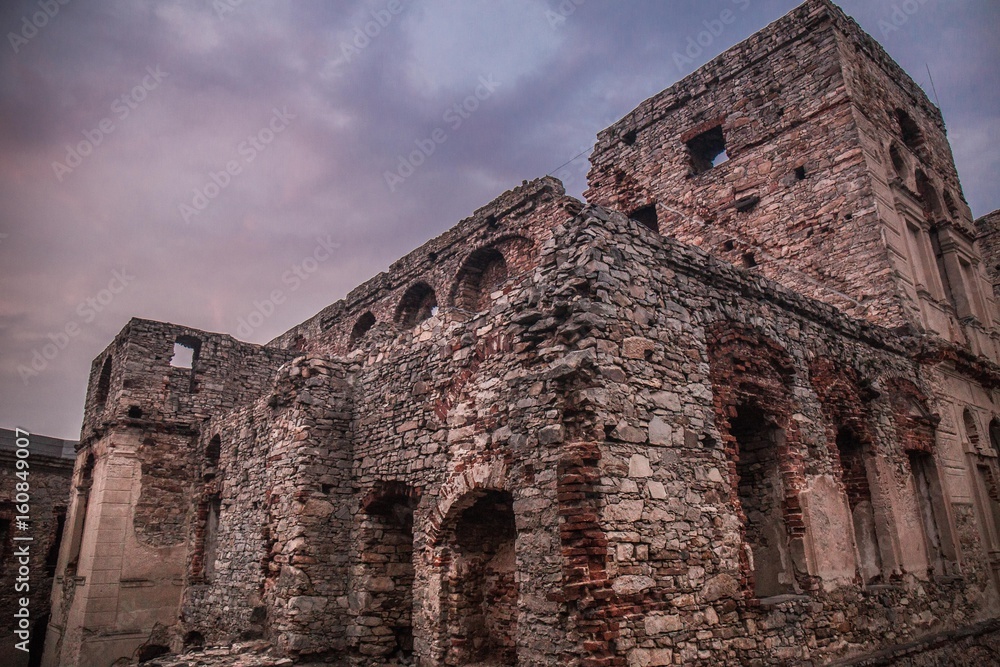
(352, 104)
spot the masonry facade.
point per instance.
(740, 407)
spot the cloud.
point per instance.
(561, 83)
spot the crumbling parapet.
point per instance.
(121, 567)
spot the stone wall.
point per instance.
(701, 346)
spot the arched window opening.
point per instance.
(104, 384)
(909, 131)
(761, 494)
(483, 272)
(854, 469)
(52, 557)
(361, 328)
(418, 303)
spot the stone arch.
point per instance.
(361, 328)
(915, 423)
(471, 539)
(383, 590)
(418, 303)
(479, 594)
(483, 271)
(752, 378)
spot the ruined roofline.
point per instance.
(798, 24)
(409, 267)
(140, 323)
(697, 263)
(700, 264)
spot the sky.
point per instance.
(182, 160)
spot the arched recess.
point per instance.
(916, 427)
(419, 302)
(476, 555)
(470, 539)
(385, 587)
(845, 400)
(360, 329)
(483, 271)
(971, 430)
(752, 379)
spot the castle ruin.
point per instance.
(740, 407)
